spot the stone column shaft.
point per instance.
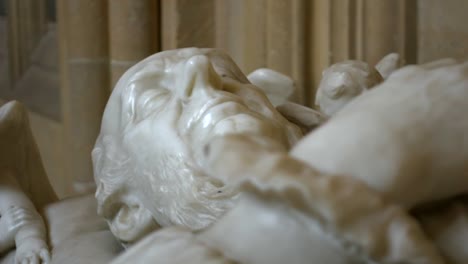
(133, 33)
(85, 81)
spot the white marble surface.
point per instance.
(194, 164)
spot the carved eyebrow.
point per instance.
(129, 98)
(150, 101)
(141, 97)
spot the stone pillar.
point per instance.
(383, 28)
(285, 44)
(187, 23)
(264, 33)
(84, 82)
(358, 29)
(254, 30)
(133, 33)
(27, 23)
(230, 33)
(442, 30)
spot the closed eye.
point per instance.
(151, 101)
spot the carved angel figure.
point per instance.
(34, 226)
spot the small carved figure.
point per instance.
(24, 188)
(344, 81)
(31, 218)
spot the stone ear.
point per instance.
(132, 222)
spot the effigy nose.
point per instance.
(199, 75)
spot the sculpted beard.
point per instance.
(174, 189)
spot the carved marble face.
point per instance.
(342, 82)
(148, 157)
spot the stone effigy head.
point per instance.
(162, 112)
(342, 82)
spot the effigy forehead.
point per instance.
(157, 71)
